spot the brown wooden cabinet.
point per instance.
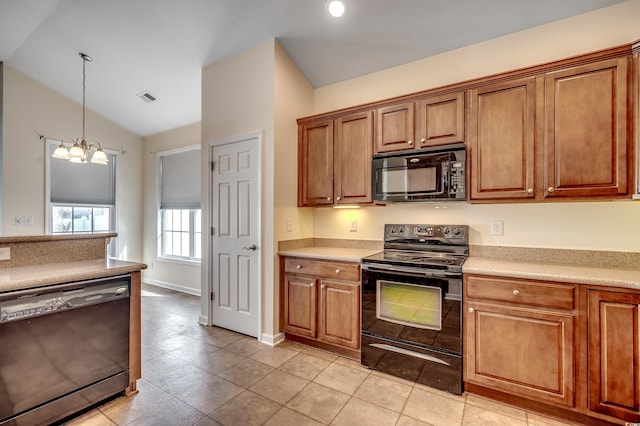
(321, 303)
(614, 358)
(315, 163)
(519, 337)
(334, 160)
(586, 135)
(432, 120)
(395, 129)
(501, 140)
(441, 119)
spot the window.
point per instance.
(179, 216)
(81, 198)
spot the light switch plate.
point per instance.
(353, 227)
(24, 220)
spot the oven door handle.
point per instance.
(412, 272)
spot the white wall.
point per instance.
(31, 110)
(598, 225)
(178, 276)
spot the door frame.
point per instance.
(206, 316)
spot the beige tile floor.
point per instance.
(196, 375)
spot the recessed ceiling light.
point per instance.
(336, 8)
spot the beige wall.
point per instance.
(178, 276)
(602, 225)
(30, 110)
(238, 99)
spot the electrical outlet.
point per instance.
(289, 225)
(24, 220)
(353, 227)
(5, 253)
(497, 227)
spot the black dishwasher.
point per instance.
(63, 348)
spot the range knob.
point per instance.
(457, 231)
(445, 230)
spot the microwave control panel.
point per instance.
(457, 177)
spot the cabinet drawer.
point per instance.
(526, 292)
(322, 269)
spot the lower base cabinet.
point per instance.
(320, 302)
(560, 348)
(614, 359)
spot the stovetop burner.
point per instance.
(424, 246)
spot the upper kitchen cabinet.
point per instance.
(432, 120)
(353, 148)
(441, 119)
(395, 127)
(501, 140)
(334, 160)
(315, 163)
(586, 131)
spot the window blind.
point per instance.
(83, 183)
(180, 180)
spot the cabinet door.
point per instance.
(501, 140)
(614, 362)
(315, 164)
(300, 305)
(340, 313)
(441, 119)
(525, 352)
(353, 151)
(395, 128)
(586, 133)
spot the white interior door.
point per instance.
(235, 240)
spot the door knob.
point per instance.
(252, 247)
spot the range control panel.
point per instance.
(417, 232)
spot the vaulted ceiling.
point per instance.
(160, 46)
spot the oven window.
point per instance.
(409, 304)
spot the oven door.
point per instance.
(415, 306)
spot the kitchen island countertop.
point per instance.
(22, 277)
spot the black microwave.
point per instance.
(434, 174)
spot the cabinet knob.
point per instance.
(312, 285)
(530, 191)
(338, 198)
(550, 189)
(470, 309)
(337, 271)
(298, 266)
(516, 292)
(328, 198)
(423, 140)
(410, 142)
(322, 286)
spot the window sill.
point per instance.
(178, 261)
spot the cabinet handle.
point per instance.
(337, 271)
(516, 292)
(550, 189)
(470, 309)
(299, 267)
(410, 142)
(530, 191)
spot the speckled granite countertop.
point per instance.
(22, 277)
(571, 273)
(346, 254)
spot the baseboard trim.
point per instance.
(203, 320)
(272, 339)
(171, 286)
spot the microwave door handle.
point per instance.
(406, 273)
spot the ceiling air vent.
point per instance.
(147, 97)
